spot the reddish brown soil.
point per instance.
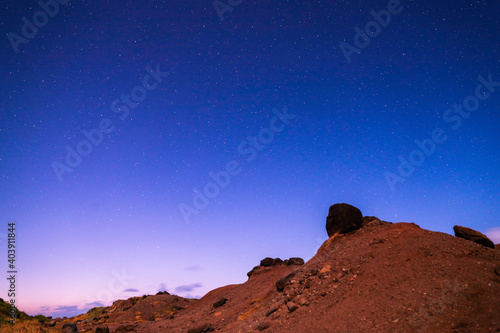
(382, 278)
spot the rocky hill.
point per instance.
(369, 276)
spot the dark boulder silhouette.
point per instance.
(473, 235)
(343, 218)
(295, 261)
(267, 262)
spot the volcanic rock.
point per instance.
(102, 329)
(69, 328)
(267, 262)
(220, 302)
(202, 329)
(280, 284)
(343, 218)
(264, 325)
(51, 323)
(253, 271)
(291, 306)
(295, 261)
(126, 328)
(277, 261)
(473, 235)
(274, 307)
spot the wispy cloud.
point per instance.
(131, 290)
(68, 311)
(94, 304)
(193, 268)
(188, 288)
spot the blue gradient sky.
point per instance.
(112, 227)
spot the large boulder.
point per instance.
(343, 218)
(473, 235)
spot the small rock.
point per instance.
(267, 262)
(273, 309)
(69, 328)
(280, 284)
(325, 269)
(303, 301)
(371, 220)
(253, 271)
(202, 329)
(296, 261)
(277, 261)
(291, 306)
(473, 235)
(102, 329)
(263, 326)
(220, 302)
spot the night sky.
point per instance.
(166, 145)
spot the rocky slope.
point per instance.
(381, 277)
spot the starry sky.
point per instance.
(165, 145)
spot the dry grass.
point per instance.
(26, 326)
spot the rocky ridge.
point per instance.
(369, 276)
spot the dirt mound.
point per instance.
(384, 277)
(125, 315)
